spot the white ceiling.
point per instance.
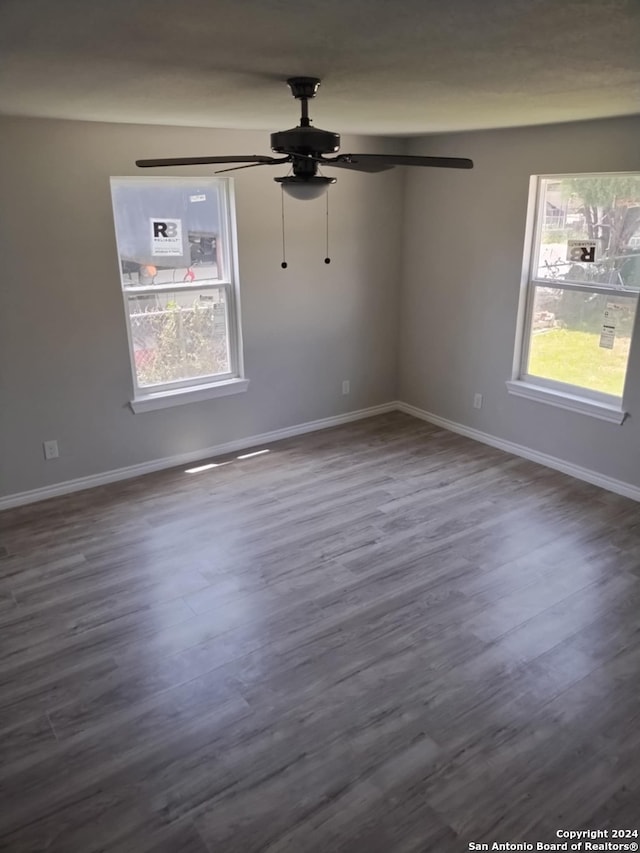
(403, 67)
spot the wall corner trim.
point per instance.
(619, 487)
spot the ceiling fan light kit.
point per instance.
(305, 189)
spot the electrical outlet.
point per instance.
(50, 449)
(346, 386)
(477, 401)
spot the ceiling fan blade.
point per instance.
(235, 168)
(380, 162)
(256, 159)
(356, 164)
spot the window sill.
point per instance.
(181, 396)
(574, 403)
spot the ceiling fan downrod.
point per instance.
(304, 88)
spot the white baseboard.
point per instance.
(609, 483)
(68, 486)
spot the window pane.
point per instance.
(168, 231)
(179, 335)
(581, 338)
(603, 209)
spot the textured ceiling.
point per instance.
(404, 67)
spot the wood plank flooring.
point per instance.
(381, 638)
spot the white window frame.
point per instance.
(575, 398)
(179, 392)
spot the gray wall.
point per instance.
(456, 244)
(64, 364)
(463, 248)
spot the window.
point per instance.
(176, 248)
(581, 289)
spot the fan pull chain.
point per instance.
(284, 259)
(327, 259)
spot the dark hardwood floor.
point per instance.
(381, 638)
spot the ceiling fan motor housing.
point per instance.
(307, 141)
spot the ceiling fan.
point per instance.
(305, 148)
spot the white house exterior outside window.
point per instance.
(178, 268)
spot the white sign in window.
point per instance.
(166, 237)
(582, 251)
